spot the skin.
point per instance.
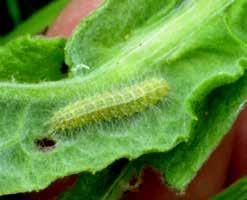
(65, 23)
(238, 164)
(225, 165)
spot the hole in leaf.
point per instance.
(134, 181)
(149, 180)
(45, 144)
(64, 68)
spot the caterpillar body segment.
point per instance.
(106, 106)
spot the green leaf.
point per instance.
(221, 109)
(187, 43)
(101, 182)
(181, 164)
(38, 22)
(14, 11)
(29, 59)
(103, 36)
(235, 18)
(236, 191)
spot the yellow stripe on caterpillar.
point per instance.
(110, 105)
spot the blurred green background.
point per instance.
(14, 12)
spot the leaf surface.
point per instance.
(29, 59)
(188, 43)
(236, 191)
(181, 164)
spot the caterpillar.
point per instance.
(109, 105)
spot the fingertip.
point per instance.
(73, 13)
(212, 176)
(238, 165)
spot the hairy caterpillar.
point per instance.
(109, 105)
